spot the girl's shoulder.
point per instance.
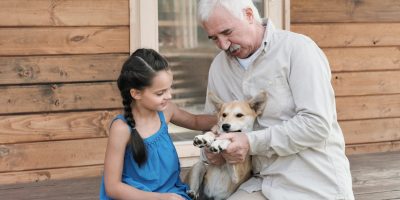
(169, 111)
(119, 127)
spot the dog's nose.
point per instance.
(226, 127)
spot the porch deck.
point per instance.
(375, 177)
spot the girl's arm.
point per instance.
(113, 165)
(188, 120)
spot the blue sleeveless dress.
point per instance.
(160, 173)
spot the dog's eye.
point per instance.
(223, 114)
(239, 115)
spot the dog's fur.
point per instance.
(219, 182)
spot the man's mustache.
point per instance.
(233, 48)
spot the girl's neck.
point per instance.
(143, 113)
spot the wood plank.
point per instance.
(56, 69)
(55, 154)
(77, 189)
(368, 107)
(363, 58)
(34, 176)
(55, 126)
(78, 96)
(389, 195)
(310, 11)
(366, 83)
(375, 175)
(64, 40)
(351, 35)
(64, 13)
(59, 97)
(354, 149)
(372, 130)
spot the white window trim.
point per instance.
(144, 34)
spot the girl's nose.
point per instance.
(168, 94)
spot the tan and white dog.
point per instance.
(212, 182)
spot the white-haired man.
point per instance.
(298, 147)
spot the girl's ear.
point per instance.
(136, 94)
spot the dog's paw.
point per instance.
(219, 145)
(192, 194)
(203, 141)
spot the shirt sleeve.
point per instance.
(309, 80)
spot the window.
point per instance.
(189, 52)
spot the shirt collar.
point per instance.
(269, 29)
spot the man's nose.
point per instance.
(223, 44)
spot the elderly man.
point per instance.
(298, 147)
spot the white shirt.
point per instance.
(298, 147)
(246, 62)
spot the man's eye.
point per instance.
(239, 115)
(227, 33)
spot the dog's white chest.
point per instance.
(219, 179)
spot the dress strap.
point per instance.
(161, 115)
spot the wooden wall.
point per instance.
(58, 65)
(361, 39)
(59, 61)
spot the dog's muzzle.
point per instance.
(226, 128)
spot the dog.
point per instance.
(212, 182)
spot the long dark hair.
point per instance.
(137, 73)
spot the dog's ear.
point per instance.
(216, 101)
(258, 102)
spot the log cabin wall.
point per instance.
(361, 39)
(58, 64)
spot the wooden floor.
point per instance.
(375, 177)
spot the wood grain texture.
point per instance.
(368, 107)
(34, 176)
(64, 40)
(371, 130)
(59, 97)
(54, 126)
(60, 69)
(55, 154)
(351, 34)
(366, 83)
(356, 149)
(363, 58)
(311, 11)
(64, 13)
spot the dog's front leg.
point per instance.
(194, 178)
(204, 140)
(219, 145)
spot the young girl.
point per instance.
(141, 161)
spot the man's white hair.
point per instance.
(235, 7)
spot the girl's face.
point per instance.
(157, 95)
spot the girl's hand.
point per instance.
(170, 196)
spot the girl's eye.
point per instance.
(223, 114)
(239, 115)
(159, 93)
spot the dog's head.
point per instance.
(238, 116)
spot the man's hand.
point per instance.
(213, 158)
(237, 149)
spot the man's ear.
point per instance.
(217, 102)
(258, 102)
(248, 15)
(136, 94)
